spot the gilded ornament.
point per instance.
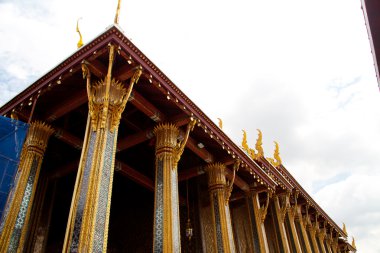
(353, 243)
(277, 157)
(244, 142)
(251, 153)
(344, 229)
(182, 144)
(107, 97)
(116, 20)
(259, 145)
(264, 210)
(80, 42)
(230, 185)
(220, 123)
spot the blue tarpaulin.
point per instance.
(12, 137)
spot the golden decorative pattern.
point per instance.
(244, 142)
(166, 207)
(87, 228)
(16, 222)
(217, 184)
(80, 42)
(259, 144)
(220, 123)
(280, 209)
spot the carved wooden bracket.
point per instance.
(263, 210)
(181, 145)
(230, 184)
(293, 208)
(284, 205)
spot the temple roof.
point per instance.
(371, 10)
(59, 98)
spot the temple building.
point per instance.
(117, 158)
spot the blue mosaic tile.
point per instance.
(159, 209)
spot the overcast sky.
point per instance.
(301, 71)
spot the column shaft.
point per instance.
(166, 235)
(280, 212)
(87, 228)
(15, 224)
(321, 240)
(293, 230)
(223, 236)
(256, 220)
(312, 233)
(302, 226)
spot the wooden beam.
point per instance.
(142, 136)
(146, 107)
(196, 171)
(124, 72)
(63, 170)
(201, 152)
(74, 101)
(239, 182)
(190, 173)
(134, 175)
(68, 138)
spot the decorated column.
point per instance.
(257, 214)
(312, 230)
(292, 213)
(335, 245)
(280, 210)
(219, 194)
(166, 231)
(15, 224)
(329, 242)
(301, 226)
(321, 240)
(87, 228)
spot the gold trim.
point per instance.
(230, 184)
(280, 209)
(34, 148)
(217, 187)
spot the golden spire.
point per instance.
(116, 21)
(277, 154)
(80, 42)
(344, 229)
(353, 243)
(220, 123)
(259, 144)
(244, 142)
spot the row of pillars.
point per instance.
(87, 226)
(88, 222)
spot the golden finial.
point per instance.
(244, 142)
(251, 153)
(220, 123)
(116, 21)
(277, 154)
(80, 42)
(259, 144)
(344, 229)
(353, 243)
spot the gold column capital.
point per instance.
(16, 221)
(216, 175)
(166, 137)
(38, 136)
